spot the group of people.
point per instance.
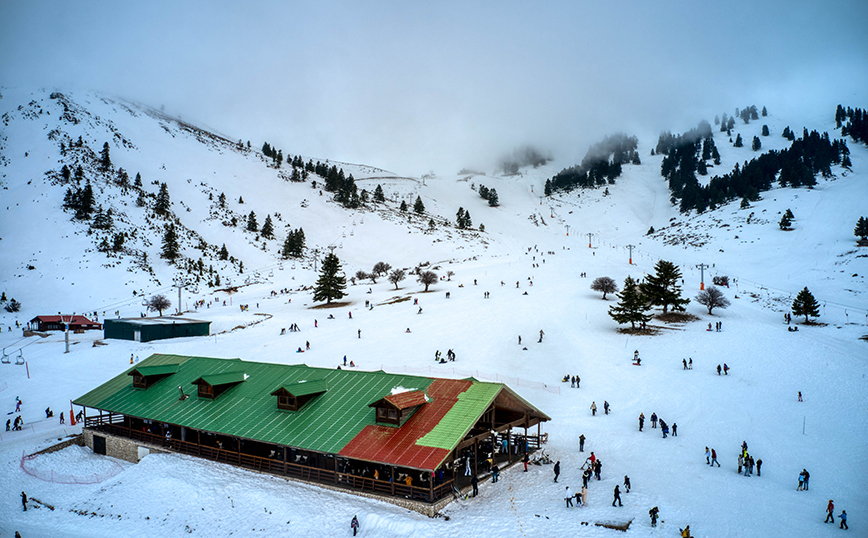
(438, 357)
(746, 461)
(292, 328)
(574, 380)
(688, 365)
(830, 515)
(725, 369)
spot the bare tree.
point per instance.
(427, 278)
(449, 275)
(381, 268)
(712, 298)
(158, 303)
(361, 275)
(604, 285)
(396, 276)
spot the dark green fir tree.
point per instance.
(331, 283)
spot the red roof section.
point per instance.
(76, 320)
(397, 445)
(404, 400)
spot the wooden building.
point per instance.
(59, 323)
(398, 436)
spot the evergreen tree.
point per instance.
(330, 284)
(663, 287)
(805, 305)
(765, 112)
(66, 173)
(378, 194)
(738, 143)
(419, 207)
(493, 200)
(221, 200)
(252, 225)
(459, 218)
(765, 130)
(84, 207)
(756, 145)
(138, 180)
(861, 229)
(267, 228)
(170, 244)
(293, 247)
(224, 253)
(789, 214)
(105, 160)
(730, 124)
(632, 306)
(102, 220)
(744, 203)
(162, 204)
(548, 187)
(785, 223)
(403, 207)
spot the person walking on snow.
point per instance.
(617, 496)
(582, 443)
(475, 482)
(641, 421)
(759, 464)
(725, 369)
(586, 477)
(653, 420)
(584, 495)
(525, 460)
(557, 469)
(541, 334)
(718, 369)
(684, 363)
(598, 468)
(830, 509)
(355, 525)
(707, 456)
(605, 407)
(626, 484)
(714, 458)
(674, 430)
(24, 500)
(843, 517)
(654, 513)
(569, 497)
(593, 409)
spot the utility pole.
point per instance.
(180, 283)
(702, 267)
(590, 235)
(631, 247)
(315, 256)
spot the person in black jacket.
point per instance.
(557, 469)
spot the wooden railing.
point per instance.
(108, 424)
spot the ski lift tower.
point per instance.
(180, 283)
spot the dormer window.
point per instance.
(395, 409)
(212, 386)
(147, 376)
(294, 396)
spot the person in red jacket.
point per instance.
(830, 509)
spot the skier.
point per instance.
(582, 443)
(360, 333)
(557, 469)
(593, 409)
(17, 404)
(569, 497)
(355, 525)
(830, 509)
(8, 424)
(654, 513)
(573, 382)
(627, 484)
(641, 421)
(653, 420)
(617, 496)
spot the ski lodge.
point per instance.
(404, 439)
(59, 323)
(147, 329)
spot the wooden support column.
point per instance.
(431, 486)
(394, 478)
(476, 457)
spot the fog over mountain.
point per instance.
(437, 87)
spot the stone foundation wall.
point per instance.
(121, 448)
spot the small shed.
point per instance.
(59, 323)
(147, 329)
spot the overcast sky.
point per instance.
(414, 87)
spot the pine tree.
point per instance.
(66, 173)
(252, 225)
(765, 130)
(105, 160)
(102, 220)
(765, 112)
(170, 243)
(785, 223)
(861, 229)
(378, 194)
(805, 305)
(85, 203)
(789, 214)
(459, 218)
(632, 306)
(419, 207)
(756, 145)
(221, 200)
(403, 206)
(330, 284)
(162, 204)
(138, 180)
(738, 143)
(493, 200)
(224, 252)
(267, 228)
(663, 287)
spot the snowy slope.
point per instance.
(756, 402)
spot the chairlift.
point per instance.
(19, 360)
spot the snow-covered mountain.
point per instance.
(529, 258)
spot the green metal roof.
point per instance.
(159, 369)
(303, 388)
(223, 379)
(460, 419)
